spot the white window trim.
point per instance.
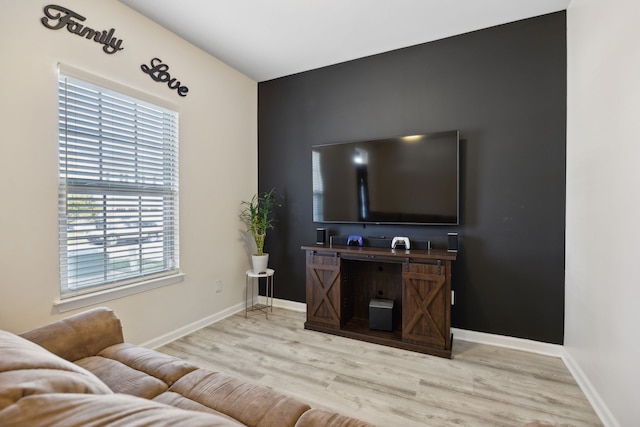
(99, 297)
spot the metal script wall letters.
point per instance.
(57, 17)
(159, 72)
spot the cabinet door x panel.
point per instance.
(425, 300)
(323, 290)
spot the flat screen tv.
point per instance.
(401, 180)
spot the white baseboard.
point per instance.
(607, 418)
(289, 305)
(531, 346)
(192, 327)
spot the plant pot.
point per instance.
(260, 263)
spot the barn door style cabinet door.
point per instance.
(324, 289)
(342, 280)
(426, 302)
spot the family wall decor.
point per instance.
(57, 17)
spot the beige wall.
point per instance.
(218, 161)
(603, 204)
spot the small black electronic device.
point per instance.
(354, 240)
(321, 236)
(452, 242)
(381, 314)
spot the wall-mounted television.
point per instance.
(411, 179)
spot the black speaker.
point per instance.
(452, 242)
(321, 236)
(381, 314)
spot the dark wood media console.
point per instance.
(341, 280)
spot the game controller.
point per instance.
(354, 240)
(400, 241)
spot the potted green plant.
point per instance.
(257, 214)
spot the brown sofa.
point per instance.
(79, 372)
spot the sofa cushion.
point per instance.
(254, 405)
(179, 401)
(26, 368)
(139, 371)
(123, 379)
(112, 410)
(162, 366)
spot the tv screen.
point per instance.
(403, 180)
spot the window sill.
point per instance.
(81, 301)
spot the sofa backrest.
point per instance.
(81, 335)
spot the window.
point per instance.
(118, 188)
(318, 186)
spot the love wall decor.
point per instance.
(159, 72)
(57, 17)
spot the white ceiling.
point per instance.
(267, 39)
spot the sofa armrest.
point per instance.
(80, 335)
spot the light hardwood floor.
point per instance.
(481, 385)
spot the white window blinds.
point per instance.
(118, 188)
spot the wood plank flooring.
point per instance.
(481, 385)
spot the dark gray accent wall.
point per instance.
(504, 89)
